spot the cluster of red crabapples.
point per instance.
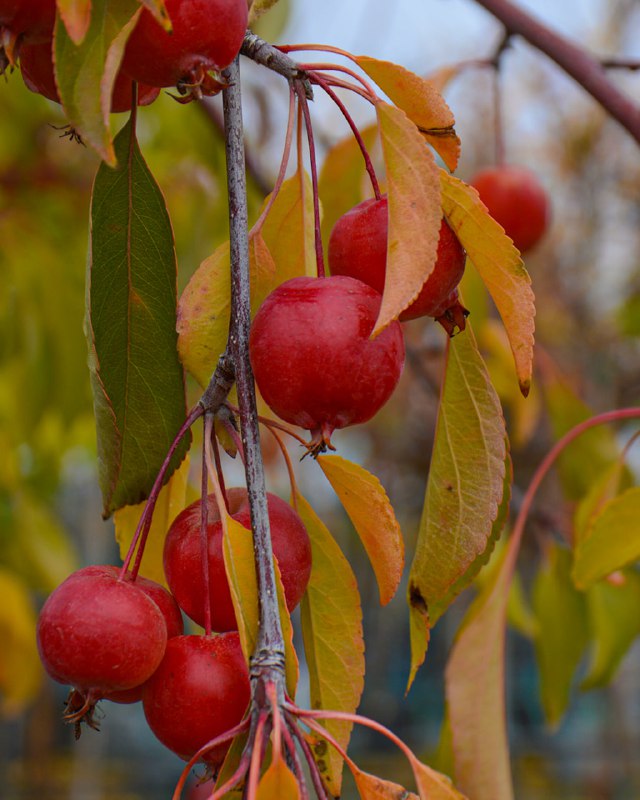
(115, 637)
(206, 36)
(311, 350)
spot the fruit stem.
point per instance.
(304, 106)
(268, 658)
(319, 79)
(204, 524)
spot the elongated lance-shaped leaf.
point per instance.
(465, 488)
(137, 379)
(76, 15)
(86, 72)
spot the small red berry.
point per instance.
(206, 36)
(183, 566)
(199, 691)
(313, 359)
(515, 198)
(358, 247)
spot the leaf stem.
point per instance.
(204, 524)
(304, 105)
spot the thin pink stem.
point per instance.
(204, 526)
(218, 465)
(289, 465)
(371, 94)
(304, 105)
(316, 778)
(144, 523)
(256, 757)
(233, 433)
(339, 83)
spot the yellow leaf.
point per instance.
(203, 315)
(241, 574)
(421, 102)
(258, 8)
(495, 257)
(370, 787)
(332, 633)
(434, 785)
(343, 180)
(262, 270)
(366, 502)
(288, 229)
(415, 213)
(20, 670)
(171, 501)
(76, 15)
(278, 783)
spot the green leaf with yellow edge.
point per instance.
(612, 542)
(415, 213)
(614, 624)
(332, 633)
(158, 9)
(465, 488)
(288, 229)
(171, 501)
(614, 479)
(239, 564)
(343, 181)
(365, 501)
(278, 782)
(76, 15)
(259, 7)
(20, 669)
(204, 311)
(563, 633)
(136, 376)
(499, 263)
(85, 73)
(475, 690)
(421, 102)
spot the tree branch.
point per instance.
(574, 60)
(268, 659)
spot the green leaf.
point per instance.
(475, 690)
(614, 624)
(614, 479)
(613, 541)
(465, 488)
(332, 633)
(137, 379)
(563, 634)
(86, 72)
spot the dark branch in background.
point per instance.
(268, 660)
(584, 68)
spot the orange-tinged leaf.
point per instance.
(465, 488)
(434, 785)
(237, 549)
(343, 181)
(76, 15)
(421, 102)
(159, 11)
(366, 502)
(499, 263)
(332, 633)
(475, 690)
(171, 501)
(415, 214)
(203, 315)
(278, 782)
(441, 77)
(370, 787)
(288, 229)
(262, 270)
(612, 541)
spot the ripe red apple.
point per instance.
(358, 248)
(313, 359)
(99, 633)
(33, 20)
(516, 199)
(206, 36)
(199, 691)
(183, 566)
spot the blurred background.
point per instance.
(586, 277)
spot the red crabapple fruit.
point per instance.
(199, 691)
(183, 568)
(313, 359)
(515, 198)
(358, 248)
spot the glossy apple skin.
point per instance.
(8, 10)
(207, 35)
(312, 357)
(199, 691)
(98, 633)
(183, 566)
(36, 66)
(358, 247)
(33, 20)
(515, 198)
